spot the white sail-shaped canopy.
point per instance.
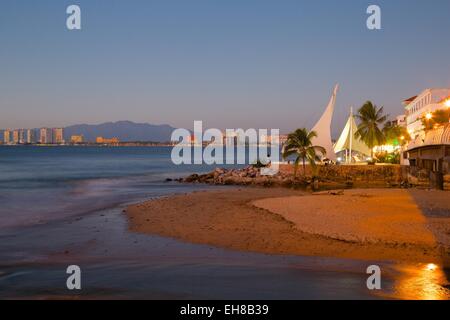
(348, 141)
(323, 128)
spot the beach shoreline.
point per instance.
(252, 219)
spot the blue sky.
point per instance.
(230, 63)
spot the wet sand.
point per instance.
(375, 225)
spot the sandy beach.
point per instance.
(373, 224)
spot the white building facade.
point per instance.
(419, 106)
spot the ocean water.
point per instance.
(61, 206)
(41, 184)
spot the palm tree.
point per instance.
(371, 117)
(395, 134)
(299, 143)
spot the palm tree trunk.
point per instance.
(304, 167)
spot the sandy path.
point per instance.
(228, 218)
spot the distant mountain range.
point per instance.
(124, 130)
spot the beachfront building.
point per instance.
(15, 139)
(428, 152)
(58, 135)
(111, 141)
(77, 139)
(50, 136)
(45, 136)
(429, 157)
(17, 136)
(418, 107)
(433, 151)
(22, 138)
(30, 136)
(7, 136)
(400, 121)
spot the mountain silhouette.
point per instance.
(124, 130)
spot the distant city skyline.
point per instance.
(232, 64)
(32, 136)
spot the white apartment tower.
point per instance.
(7, 136)
(58, 135)
(30, 136)
(45, 136)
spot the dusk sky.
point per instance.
(230, 63)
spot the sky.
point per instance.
(231, 63)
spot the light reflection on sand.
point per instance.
(423, 281)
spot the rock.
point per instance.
(286, 182)
(261, 180)
(334, 176)
(246, 181)
(192, 178)
(231, 181)
(205, 177)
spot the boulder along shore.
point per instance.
(326, 177)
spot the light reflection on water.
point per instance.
(424, 281)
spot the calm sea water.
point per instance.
(38, 184)
(63, 205)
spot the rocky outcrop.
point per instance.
(246, 176)
(326, 176)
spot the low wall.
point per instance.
(381, 174)
(333, 176)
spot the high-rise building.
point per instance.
(7, 136)
(46, 136)
(30, 136)
(43, 135)
(22, 139)
(58, 135)
(15, 139)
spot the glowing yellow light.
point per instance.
(447, 103)
(429, 116)
(402, 138)
(431, 267)
(422, 282)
